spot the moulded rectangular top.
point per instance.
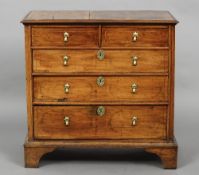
(61, 17)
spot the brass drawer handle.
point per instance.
(66, 88)
(100, 54)
(135, 36)
(100, 81)
(66, 58)
(66, 120)
(134, 120)
(66, 36)
(134, 60)
(134, 87)
(100, 111)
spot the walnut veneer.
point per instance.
(100, 79)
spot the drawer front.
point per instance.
(85, 61)
(67, 36)
(102, 88)
(73, 122)
(135, 36)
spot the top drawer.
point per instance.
(135, 36)
(66, 36)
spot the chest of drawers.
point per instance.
(100, 79)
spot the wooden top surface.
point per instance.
(99, 17)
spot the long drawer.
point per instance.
(91, 122)
(101, 88)
(86, 61)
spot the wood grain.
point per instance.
(32, 156)
(150, 88)
(121, 36)
(133, 17)
(89, 32)
(86, 61)
(85, 123)
(123, 103)
(102, 143)
(168, 156)
(79, 36)
(171, 84)
(28, 60)
(166, 150)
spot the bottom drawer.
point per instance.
(95, 122)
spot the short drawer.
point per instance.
(67, 36)
(135, 36)
(101, 88)
(111, 61)
(73, 122)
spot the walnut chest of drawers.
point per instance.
(100, 79)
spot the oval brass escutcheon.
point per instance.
(100, 81)
(100, 111)
(100, 54)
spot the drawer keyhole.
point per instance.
(100, 54)
(100, 111)
(100, 81)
